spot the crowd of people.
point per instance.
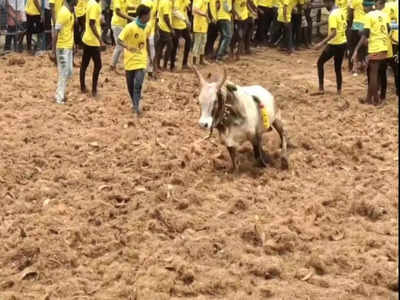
(147, 33)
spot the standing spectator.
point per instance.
(212, 33)
(264, 21)
(241, 15)
(118, 22)
(34, 20)
(63, 44)
(80, 13)
(181, 26)
(200, 26)
(336, 47)
(252, 8)
(356, 25)
(284, 26)
(166, 33)
(376, 31)
(134, 39)
(224, 23)
(151, 27)
(91, 45)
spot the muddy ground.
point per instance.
(97, 204)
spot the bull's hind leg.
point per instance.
(277, 124)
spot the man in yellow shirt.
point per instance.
(80, 12)
(376, 31)
(241, 16)
(284, 25)
(118, 22)
(389, 8)
(356, 16)
(134, 39)
(63, 44)
(166, 33)
(225, 27)
(181, 25)
(336, 47)
(200, 28)
(252, 7)
(151, 26)
(212, 33)
(264, 21)
(34, 20)
(91, 45)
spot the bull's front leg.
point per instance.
(277, 124)
(232, 153)
(259, 154)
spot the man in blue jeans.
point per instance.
(134, 39)
(225, 27)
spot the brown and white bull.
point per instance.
(235, 111)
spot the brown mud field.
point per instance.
(97, 204)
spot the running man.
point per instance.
(336, 47)
(134, 39)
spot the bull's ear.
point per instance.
(199, 76)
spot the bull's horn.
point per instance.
(199, 76)
(222, 80)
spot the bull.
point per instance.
(240, 113)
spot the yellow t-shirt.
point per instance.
(181, 6)
(131, 6)
(200, 23)
(65, 19)
(153, 5)
(222, 14)
(359, 13)
(289, 8)
(57, 6)
(337, 21)
(80, 8)
(134, 36)
(165, 8)
(266, 3)
(240, 7)
(93, 12)
(31, 9)
(376, 22)
(117, 20)
(392, 10)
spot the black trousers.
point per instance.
(164, 40)
(79, 29)
(337, 52)
(249, 34)
(180, 33)
(383, 77)
(354, 38)
(296, 25)
(33, 26)
(47, 27)
(263, 23)
(212, 36)
(283, 32)
(239, 33)
(90, 53)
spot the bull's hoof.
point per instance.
(284, 163)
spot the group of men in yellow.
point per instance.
(374, 23)
(149, 31)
